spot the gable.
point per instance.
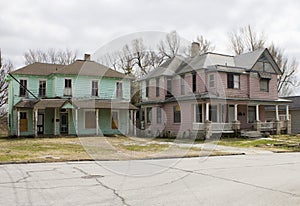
(266, 64)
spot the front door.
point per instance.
(64, 128)
(40, 124)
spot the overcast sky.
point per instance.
(87, 25)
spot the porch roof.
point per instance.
(85, 104)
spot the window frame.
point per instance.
(211, 78)
(267, 84)
(157, 87)
(66, 88)
(94, 89)
(176, 114)
(198, 113)
(119, 93)
(21, 88)
(213, 108)
(254, 110)
(45, 80)
(231, 81)
(158, 115)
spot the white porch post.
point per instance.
(257, 112)
(207, 111)
(18, 116)
(287, 112)
(54, 132)
(76, 121)
(134, 123)
(97, 121)
(277, 114)
(235, 112)
(36, 121)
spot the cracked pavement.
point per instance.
(258, 179)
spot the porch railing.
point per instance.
(214, 126)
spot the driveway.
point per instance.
(257, 179)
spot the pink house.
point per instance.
(212, 93)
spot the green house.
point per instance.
(83, 98)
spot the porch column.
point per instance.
(235, 112)
(18, 116)
(97, 120)
(257, 112)
(207, 111)
(134, 123)
(54, 122)
(277, 114)
(131, 122)
(287, 112)
(36, 121)
(76, 121)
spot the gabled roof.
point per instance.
(39, 69)
(247, 60)
(89, 68)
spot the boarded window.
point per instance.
(158, 115)
(42, 88)
(23, 87)
(23, 122)
(114, 120)
(264, 85)
(90, 119)
(177, 114)
(94, 88)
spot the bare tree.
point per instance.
(204, 46)
(246, 39)
(169, 47)
(5, 67)
(51, 56)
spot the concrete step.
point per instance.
(251, 134)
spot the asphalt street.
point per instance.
(257, 179)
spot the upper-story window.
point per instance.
(147, 88)
(68, 87)
(169, 86)
(182, 84)
(95, 88)
(264, 85)
(211, 80)
(23, 87)
(42, 88)
(157, 87)
(194, 81)
(119, 89)
(233, 81)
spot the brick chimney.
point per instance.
(195, 48)
(87, 57)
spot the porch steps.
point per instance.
(251, 134)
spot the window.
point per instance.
(182, 84)
(264, 85)
(23, 122)
(147, 88)
(211, 80)
(23, 87)
(194, 81)
(114, 120)
(233, 81)
(251, 114)
(157, 87)
(158, 115)
(68, 87)
(90, 119)
(95, 88)
(169, 86)
(149, 115)
(119, 89)
(213, 113)
(177, 114)
(199, 113)
(42, 88)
